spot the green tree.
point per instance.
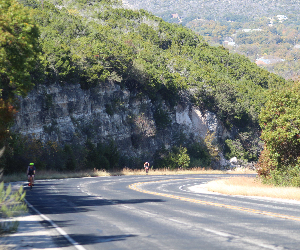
(18, 53)
(280, 122)
(199, 155)
(70, 158)
(179, 158)
(18, 48)
(176, 157)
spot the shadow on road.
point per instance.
(48, 202)
(31, 236)
(84, 239)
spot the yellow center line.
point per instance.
(135, 186)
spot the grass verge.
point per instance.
(43, 175)
(252, 187)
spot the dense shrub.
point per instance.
(199, 155)
(22, 150)
(174, 158)
(280, 121)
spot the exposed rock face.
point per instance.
(68, 114)
(200, 123)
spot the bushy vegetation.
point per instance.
(279, 163)
(256, 27)
(90, 156)
(176, 158)
(18, 54)
(11, 205)
(22, 150)
(247, 146)
(199, 155)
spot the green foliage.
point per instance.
(102, 156)
(112, 154)
(18, 54)
(212, 146)
(175, 158)
(18, 48)
(283, 177)
(21, 150)
(12, 205)
(246, 147)
(234, 148)
(131, 162)
(70, 163)
(253, 26)
(280, 122)
(99, 157)
(199, 155)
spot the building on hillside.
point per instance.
(228, 41)
(251, 30)
(268, 60)
(281, 18)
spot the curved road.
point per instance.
(162, 212)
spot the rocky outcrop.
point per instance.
(69, 114)
(199, 123)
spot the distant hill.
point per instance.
(218, 10)
(252, 28)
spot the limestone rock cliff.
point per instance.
(69, 114)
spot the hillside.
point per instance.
(156, 68)
(257, 29)
(219, 10)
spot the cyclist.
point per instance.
(146, 166)
(30, 174)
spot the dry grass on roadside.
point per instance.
(166, 171)
(42, 175)
(252, 187)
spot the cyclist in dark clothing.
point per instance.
(31, 174)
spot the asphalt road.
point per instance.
(161, 212)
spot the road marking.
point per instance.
(218, 232)
(58, 229)
(135, 186)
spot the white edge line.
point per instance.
(58, 229)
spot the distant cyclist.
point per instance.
(31, 174)
(146, 166)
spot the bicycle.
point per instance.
(146, 166)
(30, 182)
(30, 174)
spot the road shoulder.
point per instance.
(31, 234)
